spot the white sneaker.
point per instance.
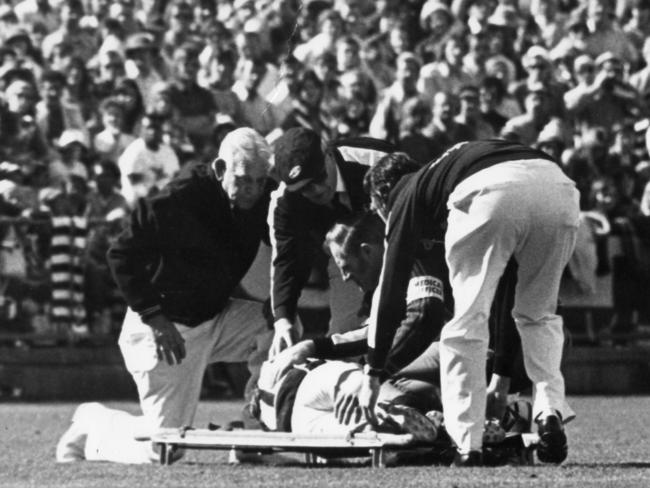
(72, 445)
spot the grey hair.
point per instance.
(245, 144)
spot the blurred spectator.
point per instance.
(31, 12)
(128, 94)
(306, 107)
(526, 127)
(492, 93)
(110, 69)
(375, 60)
(448, 74)
(147, 164)
(348, 54)
(249, 47)
(78, 89)
(180, 28)
(70, 33)
(222, 80)
(605, 34)
(69, 168)
(219, 40)
(640, 80)
(586, 163)
(436, 22)
(469, 114)
(330, 29)
(414, 118)
(550, 21)
(637, 28)
(607, 101)
(386, 122)
(257, 112)
(474, 62)
(444, 130)
(53, 114)
(194, 105)
(140, 67)
(539, 69)
(111, 142)
(26, 57)
(287, 90)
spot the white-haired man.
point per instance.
(177, 264)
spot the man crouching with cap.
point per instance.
(177, 263)
(319, 185)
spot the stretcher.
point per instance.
(372, 444)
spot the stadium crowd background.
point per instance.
(102, 102)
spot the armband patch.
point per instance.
(424, 287)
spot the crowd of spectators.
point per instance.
(103, 101)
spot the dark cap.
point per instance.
(139, 41)
(299, 157)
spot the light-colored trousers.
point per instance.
(169, 395)
(529, 210)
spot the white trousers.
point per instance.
(529, 210)
(169, 395)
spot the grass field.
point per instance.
(609, 446)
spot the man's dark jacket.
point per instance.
(298, 226)
(185, 250)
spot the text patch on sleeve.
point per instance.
(424, 287)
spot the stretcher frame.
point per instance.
(376, 445)
(360, 445)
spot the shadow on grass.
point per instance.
(631, 465)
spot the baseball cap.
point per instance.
(299, 157)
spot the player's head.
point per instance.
(302, 166)
(242, 166)
(357, 247)
(382, 178)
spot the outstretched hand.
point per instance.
(281, 338)
(296, 354)
(170, 345)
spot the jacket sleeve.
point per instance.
(293, 254)
(131, 256)
(340, 346)
(425, 311)
(389, 307)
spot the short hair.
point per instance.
(331, 15)
(53, 76)
(349, 234)
(310, 75)
(386, 173)
(190, 49)
(111, 102)
(245, 143)
(227, 57)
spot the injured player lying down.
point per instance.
(297, 395)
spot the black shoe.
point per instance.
(468, 460)
(552, 446)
